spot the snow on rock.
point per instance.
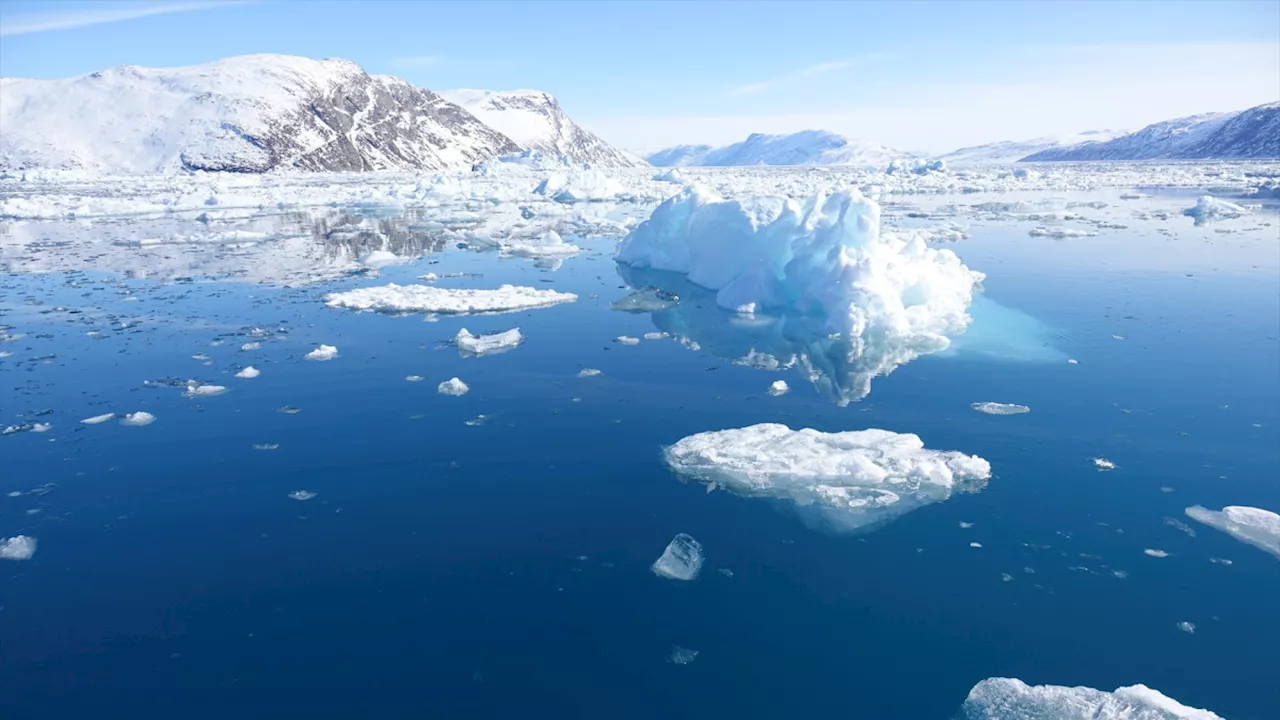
(1208, 208)
(1255, 526)
(249, 373)
(682, 560)
(19, 547)
(584, 186)
(138, 419)
(995, 408)
(891, 299)
(322, 352)
(98, 419)
(454, 387)
(1012, 699)
(843, 481)
(477, 345)
(430, 299)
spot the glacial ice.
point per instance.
(843, 481)
(98, 419)
(19, 547)
(454, 387)
(322, 352)
(1208, 208)
(430, 299)
(682, 560)
(1255, 526)
(138, 419)
(1012, 699)
(378, 259)
(582, 186)
(888, 299)
(779, 387)
(492, 344)
(995, 408)
(546, 245)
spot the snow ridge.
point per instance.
(808, 147)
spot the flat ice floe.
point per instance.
(138, 419)
(844, 481)
(98, 419)
(1012, 699)
(491, 344)
(1255, 526)
(194, 390)
(19, 547)
(445, 301)
(249, 373)
(454, 387)
(322, 352)
(995, 408)
(301, 495)
(682, 560)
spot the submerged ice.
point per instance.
(682, 560)
(1255, 526)
(1012, 699)
(843, 481)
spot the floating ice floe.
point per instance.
(477, 345)
(656, 336)
(379, 259)
(323, 352)
(251, 346)
(194, 390)
(301, 495)
(413, 378)
(588, 372)
(98, 419)
(1060, 232)
(1103, 464)
(548, 244)
(19, 547)
(1012, 699)
(430, 299)
(995, 408)
(584, 186)
(138, 419)
(1255, 526)
(249, 373)
(627, 340)
(779, 387)
(682, 560)
(840, 481)
(1187, 627)
(453, 386)
(1156, 553)
(681, 656)
(1208, 207)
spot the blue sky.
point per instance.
(923, 75)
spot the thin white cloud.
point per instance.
(818, 69)
(29, 23)
(416, 61)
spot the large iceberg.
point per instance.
(887, 297)
(426, 298)
(1255, 526)
(1012, 699)
(839, 481)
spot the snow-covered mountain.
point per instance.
(808, 147)
(1010, 151)
(534, 120)
(1248, 134)
(246, 114)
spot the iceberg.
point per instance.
(141, 418)
(779, 387)
(888, 298)
(454, 387)
(478, 345)
(547, 245)
(1208, 208)
(98, 419)
(842, 481)
(194, 390)
(584, 186)
(682, 560)
(429, 299)
(19, 547)
(1012, 699)
(1255, 526)
(249, 373)
(322, 352)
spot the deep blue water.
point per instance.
(502, 569)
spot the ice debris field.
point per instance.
(640, 299)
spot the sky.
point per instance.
(921, 76)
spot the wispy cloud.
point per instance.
(416, 61)
(818, 69)
(38, 22)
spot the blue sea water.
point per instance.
(501, 568)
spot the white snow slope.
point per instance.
(808, 147)
(248, 114)
(1010, 151)
(535, 121)
(1252, 133)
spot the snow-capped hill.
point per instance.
(535, 121)
(1252, 134)
(1010, 151)
(679, 156)
(251, 113)
(808, 147)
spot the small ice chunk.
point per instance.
(656, 336)
(98, 419)
(492, 344)
(681, 656)
(138, 419)
(1060, 233)
(1103, 464)
(588, 372)
(627, 340)
(194, 390)
(302, 495)
(1255, 526)
(975, 544)
(251, 346)
(995, 408)
(431, 299)
(1006, 577)
(266, 446)
(19, 547)
(41, 427)
(379, 259)
(965, 525)
(1072, 361)
(323, 352)
(682, 560)
(413, 378)
(1208, 207)
(779, 387)
(249, 373)
(1187, 627)
(1156, 553)
(1012, 699)
(199, 356)
(453, 386)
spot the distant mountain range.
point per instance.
(1011, 151)
(808, 147)
(256, 113)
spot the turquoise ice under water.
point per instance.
(488, 555)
